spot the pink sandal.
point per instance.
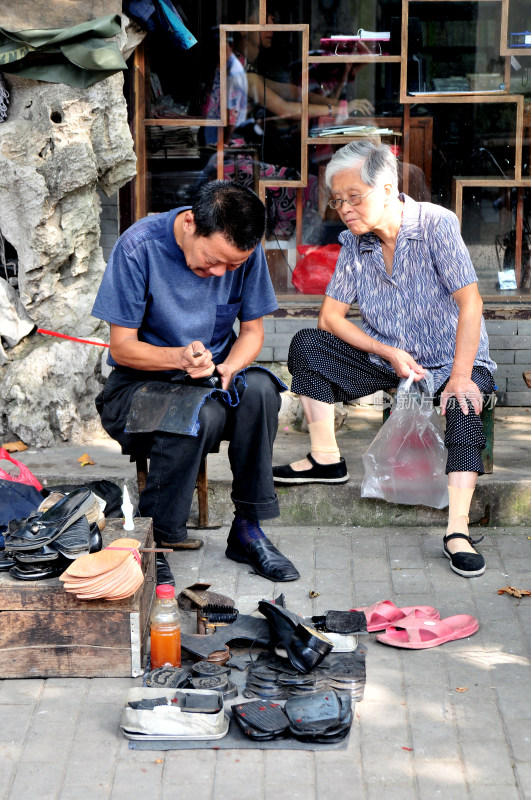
(385, 613)
(416, 632)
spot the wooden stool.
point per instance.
(487, 418)
(201, 485)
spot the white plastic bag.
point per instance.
(406, 461)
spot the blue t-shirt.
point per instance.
(147, 285)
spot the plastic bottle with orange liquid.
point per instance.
(165, 623)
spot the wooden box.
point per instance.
(47, 632)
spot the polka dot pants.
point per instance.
(328, 369)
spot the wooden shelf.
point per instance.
(352, 59)
(415, 134)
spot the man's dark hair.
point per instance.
(231, 209)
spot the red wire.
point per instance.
(71, 338)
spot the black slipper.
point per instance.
(468, 565)
(319, 473)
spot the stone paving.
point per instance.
(451, 722)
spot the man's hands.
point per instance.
(403, 363)
(226, 372)
(197, 361)
(462, 388)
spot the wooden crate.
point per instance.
(47, 632)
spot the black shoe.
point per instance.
(42, 530)
(164, 573)
(263, 556)
(319, 473)
(282, 623)
(307, 648)
(468, 565)
(39, 572)
(7, 560)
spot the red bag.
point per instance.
(24, 476)
(314, 271)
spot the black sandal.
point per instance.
(468, 565)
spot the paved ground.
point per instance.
(452, 722)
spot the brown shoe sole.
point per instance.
(187, 544)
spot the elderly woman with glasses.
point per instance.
(406, 266)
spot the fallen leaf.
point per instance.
(85, 460)
(409, 749)
(514, 592)
(159, 761)
(462, 689)
(15, 447)
(313, 594)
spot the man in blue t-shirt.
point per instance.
(174, 286)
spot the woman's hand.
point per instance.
(462, 388)
(403, 363)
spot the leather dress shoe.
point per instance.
(264, 557)
(185, 544)
(48, 526)
(282, 623)
(307, 648)
(164, 573)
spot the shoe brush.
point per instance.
(213, 616)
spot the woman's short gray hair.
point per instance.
(376, 163)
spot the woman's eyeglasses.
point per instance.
(353, 200)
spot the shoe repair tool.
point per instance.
(168, 677)
(258, 717)
(320, 717)
(245, 628)
(197, 702)
(219, 656)
(212, 616)
(341, 622)
(220, 683)
(149, 705)
(197, 595)
(127, 508)
(205, 669)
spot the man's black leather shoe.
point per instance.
(264, 558)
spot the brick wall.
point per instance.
(510, 347)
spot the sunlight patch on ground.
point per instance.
(486, 660)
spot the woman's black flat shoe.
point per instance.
(319, 473)
(468, 565)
